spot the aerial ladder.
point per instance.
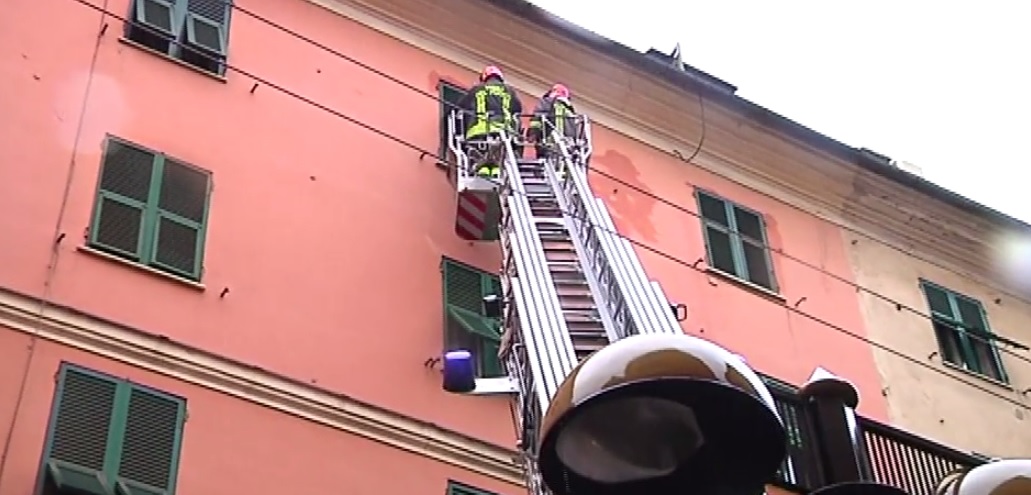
(571, 285)
(574, 292)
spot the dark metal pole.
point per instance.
(831, 401)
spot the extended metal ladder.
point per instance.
(600, 287)
(571, 284)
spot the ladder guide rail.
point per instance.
(613, 255)
(540, 317)
(571, 283)
(576, 225)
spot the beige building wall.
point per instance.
(981, 416)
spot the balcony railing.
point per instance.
(892, 456)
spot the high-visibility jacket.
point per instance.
(490, 107)
(558, 113)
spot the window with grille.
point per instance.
(735, 240)
(455, 488)
(961, 327)
(194, 31)
(450, 95)
(151, 209)
(108, 436)
(466, 326)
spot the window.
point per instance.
(961, 328)
(108, 436)
(194, 31)
(450, 95)
(151, 209)
(454, 488)
(465, 324)
(735, 240)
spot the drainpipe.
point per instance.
(831, 401)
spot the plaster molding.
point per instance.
(166, 357)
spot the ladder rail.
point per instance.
(654, 312)
(612, 305)
(575, 225)
(647, 314)
(595, 247)
(455, 121)
(540, 312)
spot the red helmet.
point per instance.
(491, 71)
(560, 91)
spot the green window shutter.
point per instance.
(181, 218)
(207, 25)
(150, 445)
(79, 453)
(464, 289)
(127, 176)
(938, 301)
(963, 333)
(108, 436)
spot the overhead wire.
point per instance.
(779, 251)
(701, 104)
(656, 251)
(853, 230)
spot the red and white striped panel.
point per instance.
(472, 212)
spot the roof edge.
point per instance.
(654, 62)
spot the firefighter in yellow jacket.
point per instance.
(490, 107)
(554, 112)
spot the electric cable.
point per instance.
(779, 251)
(656, 251)
(1002, 290)
(51, 269)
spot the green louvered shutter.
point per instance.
(464, 289)
(150, 446)
(126, 177)
(181, 217)
(79, 443)
(207, 24)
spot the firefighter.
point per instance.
(490, 107)
(554, 112)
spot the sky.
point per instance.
(942, 85)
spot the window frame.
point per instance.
(181, 38)
(443, 87)
(151, 213)
(138, 9)
(191, 33)
(459, 488)
(737, 240)
(485, 289)
(115, 444)
(955, 323)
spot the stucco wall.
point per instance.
(327, 237)
(933, 402)
(661, 219)
(229, 445)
